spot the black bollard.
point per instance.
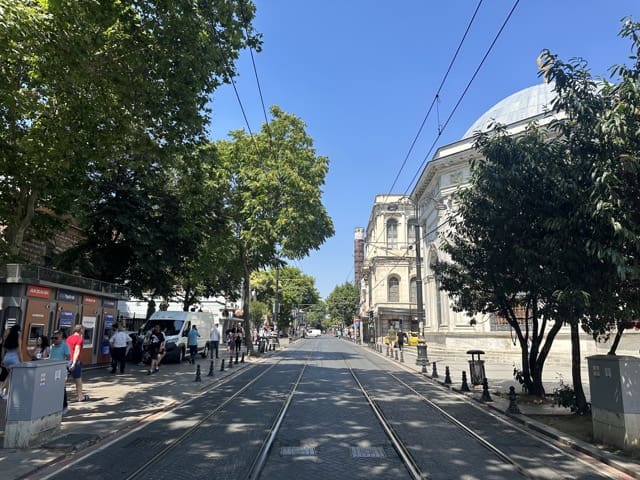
(396, 350)
(211, 367)
(486, 397)
(242, 358)
(387, 350)
(236, 357)
(198, 377)
(434, 373)
(222, 365)
(447, 376)
(465, 385)
(401, 357)
(513, 406)
(231, 360)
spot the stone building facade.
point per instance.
(429, 204)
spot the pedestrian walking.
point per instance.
(238, 341)
(192, 343)
(214, 339)
(400, 339)
(10, 357)
(156, 349)
(75, 342)
(59, 350)
(119, 342)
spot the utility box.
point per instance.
(615, 400)
(35, 401)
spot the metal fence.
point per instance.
(15, 272)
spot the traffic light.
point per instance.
(371, 315)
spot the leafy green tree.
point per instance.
(498, 242)
(317, 315)
(294, 289)
(597, 132)
(273, 203)
(158, 232)
(342, 303)
(87, 85)
(260, 311)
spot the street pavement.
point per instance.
(122, 402)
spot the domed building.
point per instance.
(447, 172)
(390, 276)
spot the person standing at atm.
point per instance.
(75, 342)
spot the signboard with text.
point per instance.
(38, 291)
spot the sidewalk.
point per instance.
(117, 403)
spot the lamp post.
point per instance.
(419, 301)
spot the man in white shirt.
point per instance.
(215, 340)
(119, 341)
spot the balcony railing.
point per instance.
(14, 272)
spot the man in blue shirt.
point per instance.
(192, 342)
(59, 350)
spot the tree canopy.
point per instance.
(342, 303)
(89, 90)
(273, 203)
(294, 290)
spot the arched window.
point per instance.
(393, 293)
(392, 233)
(413, 291)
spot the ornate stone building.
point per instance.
(388, 283)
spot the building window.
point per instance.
(392, 233)
(394, 289)
(413, 291)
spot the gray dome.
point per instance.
(520, 106)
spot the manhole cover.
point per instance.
(367, 452)
(297, 451)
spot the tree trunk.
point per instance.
(581, 401)
(22, 217)
(246, 305)
(616, 340)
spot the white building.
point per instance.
(388, 285)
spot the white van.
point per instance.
(314, 332)
(176, 326)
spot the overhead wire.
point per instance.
(434, 102)
(463, 94)
(437, 95)
(441, 129)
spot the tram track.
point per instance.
(193, 419)
(187, 434)
(240, 427)
(603, 470)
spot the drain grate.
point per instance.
(367, 452)
(297, 451)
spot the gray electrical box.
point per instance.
(35, 401)
(615, 400)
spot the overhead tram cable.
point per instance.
(462, 95)
(434, 102)
(436, 97)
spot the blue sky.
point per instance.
(363, 73)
